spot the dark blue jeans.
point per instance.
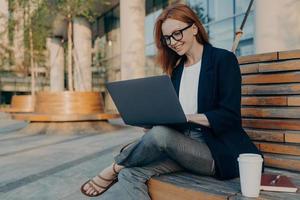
(162, 150)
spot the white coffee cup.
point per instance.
(250, 166)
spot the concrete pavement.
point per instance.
(53, 166)
(9, 125)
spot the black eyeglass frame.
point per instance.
(166, 39)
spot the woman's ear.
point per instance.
(195, 29)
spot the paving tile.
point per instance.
(53, 167)
(10, 125)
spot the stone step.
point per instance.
(9, 125)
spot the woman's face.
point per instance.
(183, 33)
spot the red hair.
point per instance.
(166, 57)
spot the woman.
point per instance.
(208, 83)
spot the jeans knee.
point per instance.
(162, 136)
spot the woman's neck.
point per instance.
(194, 54)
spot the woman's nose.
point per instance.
(172, 42)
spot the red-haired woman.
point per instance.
(208, 83)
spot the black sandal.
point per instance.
(92, 184)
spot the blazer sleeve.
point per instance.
(227, 115)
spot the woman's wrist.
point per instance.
(198, 118)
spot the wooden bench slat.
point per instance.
(275, 124)
(290, 77)
(282, 161)
(292, 136)
(286, 149)
(265, 135)
(271, 89)
(159, 190)
(191, 186)
(290, 65)
(287, 113)
(249, 69)
(294, 101)
(265, 195)
(268, 196)
(186, 186)
(289, 54)
(274, 135)
(270, 101)
(258, 58)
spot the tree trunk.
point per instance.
(31, 55)
(82, 54)
(56, 62)
(70, 45)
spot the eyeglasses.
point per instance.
(176, 35)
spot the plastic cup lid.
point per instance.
(250, 157)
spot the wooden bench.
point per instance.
(65, 106)
(271, 117)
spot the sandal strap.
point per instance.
(90, 184)
(101, 177)
(100, 186)
(114, 169)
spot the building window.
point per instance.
(241, 6)
(221, 33)
(222, 19)
(112, 19)
(154, 5)
(220, 9)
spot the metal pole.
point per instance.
(239, 32)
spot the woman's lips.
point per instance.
(177, 48)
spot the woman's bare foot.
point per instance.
(104, 180)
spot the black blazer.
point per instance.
(219, 98)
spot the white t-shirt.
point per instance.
(188, 91)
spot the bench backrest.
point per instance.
(271, 106)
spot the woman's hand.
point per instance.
(198, 119)
(146, 129)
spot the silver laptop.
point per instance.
(147, 101)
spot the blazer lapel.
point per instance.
(177, 77)
(203, 83)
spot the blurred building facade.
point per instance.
(123, 44)
(272, 25)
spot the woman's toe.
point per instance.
(86, 187)
(90, 191)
